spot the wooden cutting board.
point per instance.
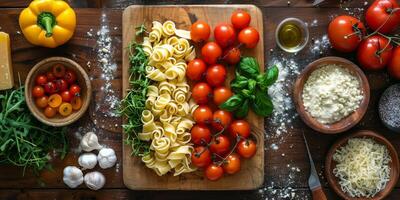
(136, 176)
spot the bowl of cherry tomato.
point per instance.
(58, 91)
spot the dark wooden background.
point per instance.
(82, 49)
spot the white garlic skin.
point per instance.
(94, 180)
(73, 176)
(87, 160)
(90, 142)
(106, 158)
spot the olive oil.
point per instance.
(290, 35)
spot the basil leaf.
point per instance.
(232, 103)
(249, 67)
(252, 85)
(268, 78)
(262, 104)
(240, 82)
(247, 94)
(242, 111)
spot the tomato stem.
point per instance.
(238, 138)
(387, 19)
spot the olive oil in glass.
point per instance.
(291, 35)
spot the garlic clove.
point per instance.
(90, 142)
(87, 160)
(94, 180)
(73, 176)
(106, 158)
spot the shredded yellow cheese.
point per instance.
(362, 167)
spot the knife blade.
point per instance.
(317, 2)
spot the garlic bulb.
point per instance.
(73, 176)
(106, 158)
(87, 160)
(94, 180)
(90, 142)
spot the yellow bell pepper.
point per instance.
(48, 23)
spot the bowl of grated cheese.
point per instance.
(363, 165)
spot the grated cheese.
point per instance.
(362, 167)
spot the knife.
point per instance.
(317, 2)
(313, 180)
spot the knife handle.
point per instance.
(318, 194)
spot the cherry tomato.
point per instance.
(216, 75)
(370, 53)
(66, 96)
(41, 80)
(240, 19)
(214, 172)
(232, 164)
(75, 90)
(50, 88)
(37, 91)
(232, 55)
(70, 77)
(50, 112)
(203, 114)
(221, 94)
(224, 35)
(221, 120)
(196, 69)
(220, 145)
(345, 33)
(394, 64)
(210, 52)
(65, 109)
(55, 100)
(239, 127)
(61, 85)
(201, 92)
(42, 102)
(246, 148)
(200, 31)
(249, 36)
(50, 76)
(76, 102)
(201, 157)
(59, 70)
(379, 14)
(201, 135)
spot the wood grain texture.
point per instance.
(136, 175)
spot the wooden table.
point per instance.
(279, 174)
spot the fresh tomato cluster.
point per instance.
(220, 140)
(57, 91)
(375, 51)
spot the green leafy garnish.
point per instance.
(249, 67)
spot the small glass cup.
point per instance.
(305, 34)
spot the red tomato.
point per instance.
(50, 88)
(249, 37)
(42, 102)
(41, 80)
(220, 145)
(50, 76)
(214, 172)
(61, 85)
(239, 127)
(50, 112)
(201, 92)
(367, 53)
(216, 75)
(394, 64)
(240, 19)
(232, 55)
(196, 69)
(201, 135)
(224, 35)
(380, 14)
(70, 77)
(232, 164)
(199, 31)
(75, 90)
(221, 120)
(345, 33)
(201, 157)
(210, 52)
(246, 148)
(221, 94)
(66, 96)
(37, 91)
(59, 70)
(202, 114)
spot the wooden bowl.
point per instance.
(82, 79)
(330, 164)
(345, 123)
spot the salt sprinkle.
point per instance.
(319, 46)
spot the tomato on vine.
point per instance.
(201, 134)
(231, 164)
(210, 52)
(201, 157)
(203, 114)
(196, 69)
(200, 31)
(246, 148)
(201, 92)
(249, 37)
(232, 55)
(220, 145)
(214, 172)
(216, 75)
(345, 33)
(394, 64)
(239, 128)
(383, 16)
(374, 52)
(240, 19)
(224, 34)
(221, 120)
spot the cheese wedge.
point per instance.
(6, 71)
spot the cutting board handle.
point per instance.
(318, 194)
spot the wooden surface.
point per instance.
(136, 176)
(82, 49)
